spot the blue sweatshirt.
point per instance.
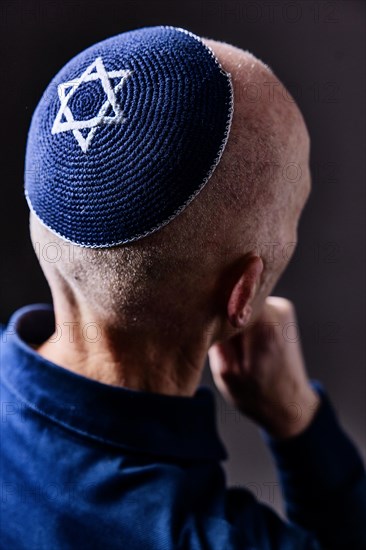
(94, 466)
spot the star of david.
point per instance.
(95, 71)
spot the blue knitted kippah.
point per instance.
(126, 135)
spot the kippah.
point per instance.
(126, 135)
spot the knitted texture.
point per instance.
(126, 135)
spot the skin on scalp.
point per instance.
(161, 302)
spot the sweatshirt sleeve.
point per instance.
(323, 479)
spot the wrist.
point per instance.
(293, 417)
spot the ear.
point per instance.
(239, 308)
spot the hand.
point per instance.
(262, 373)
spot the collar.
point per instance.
(162, 425)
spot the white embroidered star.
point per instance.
(95, 71)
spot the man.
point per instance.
(153, 177)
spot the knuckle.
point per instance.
(282, 308)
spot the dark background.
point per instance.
(317, 48)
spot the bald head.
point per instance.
(255, 196)
(269, 142)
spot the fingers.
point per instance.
(221, 356)
(227, 358)
(233, 356)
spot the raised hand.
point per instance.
(262, 373)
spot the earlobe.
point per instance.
(244, 316)
(239, 307)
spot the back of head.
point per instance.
(153, 171)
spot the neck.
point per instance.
(135, 357)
